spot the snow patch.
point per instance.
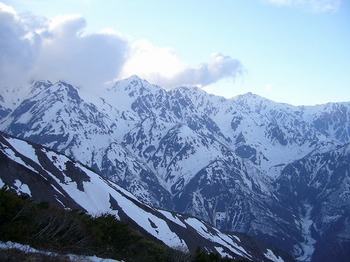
(22, 188)
(172, 218)
(23, 147)
(218, 237)
(12, 155)
(222, 252)
(29, 249)
(270, 255)
(308, 245)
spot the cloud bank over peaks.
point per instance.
(34, 47)
(164, 67)
(318, 6)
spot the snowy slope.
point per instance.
(27, 167)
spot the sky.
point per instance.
(290, 51)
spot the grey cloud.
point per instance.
(33, 48)
(87, 60)
(17, 52)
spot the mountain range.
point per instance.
(274, 171)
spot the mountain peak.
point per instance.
(40, 82)
(250, 97)
(135, 86)
(254, 102)
(254, 99)
(37, 86)
(134, 80)
(188, 90)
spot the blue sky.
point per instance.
(292, 51)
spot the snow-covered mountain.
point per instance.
(227, 161)
(45, 175)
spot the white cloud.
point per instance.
(268, 87)
(35, 47)
(204, 74)
(151, 62)
(319, 6)
(164, 67)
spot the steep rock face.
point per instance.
(3, 110)
(332, 120)
(26, 168)
(230, 198)
(185, 150)
(319, 184)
